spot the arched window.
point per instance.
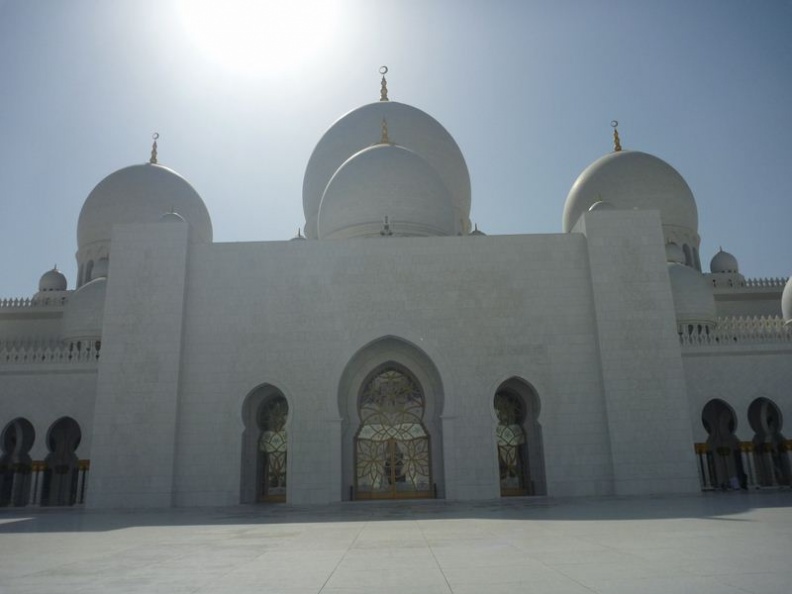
(61, 468)
(724, 461)
(265, 414)
(519, 439)
(392, 449)
(771, 460)
(688, 256)
(15, 462)
(272, 415)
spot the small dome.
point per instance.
(84, 313)
(693, 298)
(52, 280)
(477, 231)
(410, 128)
(601, 205)
(171, 217)
(723, 262)
(382, 181)
(140, 194)
(674, 253)
(786, 302)
(632, 179)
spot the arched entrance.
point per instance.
(15, 462)
(771, 459)
(390, 402)
(519, 439)
(61, 468)
(392, 448)
(724, 460)
(265, 446)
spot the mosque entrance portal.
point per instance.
(392, 449)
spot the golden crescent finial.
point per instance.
(153, 159)
(384, 84)
(616, 141)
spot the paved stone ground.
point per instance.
(729, 543)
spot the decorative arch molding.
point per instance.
(723, 451)
(389, 352)
(770, 449)
(16, 441)
(266, 440)
(61, 466)
(516, 408)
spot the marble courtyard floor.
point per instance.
(729, 543)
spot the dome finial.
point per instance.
(153, 159)
(384, 138)
(384, 84)
(616, 141)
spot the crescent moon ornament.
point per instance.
(614, 123)
(155, 136)
(383, 70)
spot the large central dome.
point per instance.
(408, 127)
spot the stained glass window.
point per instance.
(511, 443)
(272, 448)
(392, 454)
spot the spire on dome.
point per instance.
(616, 140)
(384, 84)
(384, 138)
(153, 159)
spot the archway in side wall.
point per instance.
(15, 462)
(519, 439)
(265, 414)
(771, 459)
(724, 461)
(61, 468)
(390, 399)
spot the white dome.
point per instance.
(52, 280)
(693, 298)
(408, 127)
(786, 302)
(140, 194)
(385, 181)
(723, 262)
(631, 179)
(84, 313)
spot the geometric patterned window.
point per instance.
(511, 444)
(272, 416)
(392, 453)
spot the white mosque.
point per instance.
(391, 350)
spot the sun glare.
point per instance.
(260, 36)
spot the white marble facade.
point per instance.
(392, 352)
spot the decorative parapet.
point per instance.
(734, 282)
(739, 331)
(30, 302)
(37, 352)
(766, 283)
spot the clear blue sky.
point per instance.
(528, 90)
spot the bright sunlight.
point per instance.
(261, 36)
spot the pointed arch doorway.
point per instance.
(392, 445)
(265, 446)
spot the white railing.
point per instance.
(766, 283)
(25, 302)
(739, 331)
(30, 352)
